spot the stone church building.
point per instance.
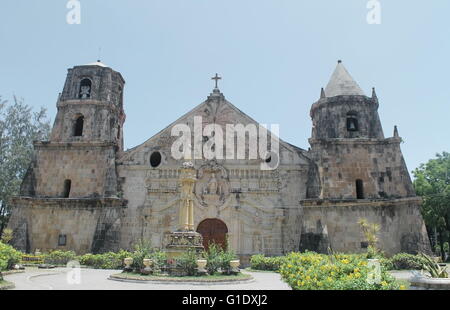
(85, 193)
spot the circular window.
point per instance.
(155, 159)
(271, 160)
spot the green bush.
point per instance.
(386, 263)
(59, 257)
(213, 257)
(8, 256)
(159, 259)
(225, 258)
(188, 262)
(312, 271)
(142, 250)
(260, 262)
(407, 261)
(109, 260)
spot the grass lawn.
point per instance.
(206, 278)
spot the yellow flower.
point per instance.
(384, 283)
(402, 287)
(345, 261)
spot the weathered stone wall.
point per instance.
(334, 224)
(89, 224)
(90, 167)
(378, 163)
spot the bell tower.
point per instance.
(86, 138)
(90, 108)
(354, 159)
(69, 198)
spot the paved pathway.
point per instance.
(96, 279)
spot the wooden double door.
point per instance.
(213, 231)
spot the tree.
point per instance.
(19, 127)
(432, 182)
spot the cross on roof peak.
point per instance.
(216, 78)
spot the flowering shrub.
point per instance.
(312, 271)
(8, 256)
(260, 262)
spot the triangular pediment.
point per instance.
(215, 110)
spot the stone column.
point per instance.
(185, 238)
(187, 180)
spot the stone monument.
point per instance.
(185, 237)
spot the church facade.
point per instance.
(85, 193)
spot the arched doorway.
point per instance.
(213, 231)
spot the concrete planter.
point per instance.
(147, 262)
(201, 266)
(235, 263)
(128, 261)
(234, 266)
(431, 283)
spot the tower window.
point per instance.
(78, 128)
(352, 122)
(85, 89)
(67, 186)
(155, 159)
(359, 189)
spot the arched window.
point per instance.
(359, 189)
(78, 126)
(85, 89)
(352, 121)
(67, 186)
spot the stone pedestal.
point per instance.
(185, 238)
(180, 242)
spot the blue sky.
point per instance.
(274, 57)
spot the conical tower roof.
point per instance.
(341, 83)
